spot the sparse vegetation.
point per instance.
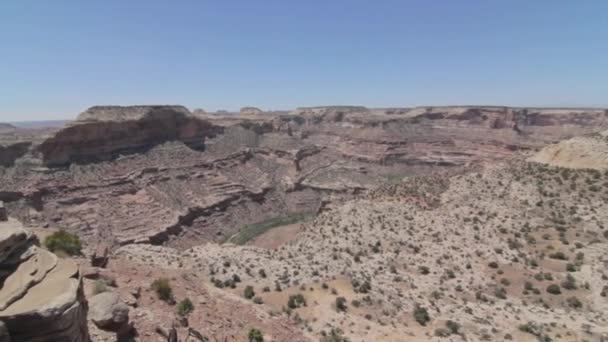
(248, 292)
(64, 242)
(185, 307)
(341, 304)
(421, 315)
(163, 289)
(255, 335)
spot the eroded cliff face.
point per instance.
(41, 299)
(105, 132)
(165, 176)
(13, 151)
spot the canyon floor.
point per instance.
(328, 224)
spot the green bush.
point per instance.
(255, 335)
(335, 335)
(249, 292)
(500, 292)
(63, 241)
(573, 302)
(423, 270)
(341, 304)
(295, 301)
(421, 315)
(554, 289)
(558, 256)
(185, 307)
(454, 327)
(569, 283)
(163, 289)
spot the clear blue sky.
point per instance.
(59, 57)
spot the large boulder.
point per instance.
(100, 256)
(41, 299)
(109, 313)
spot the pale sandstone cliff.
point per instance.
(585, 152)
(41, 299)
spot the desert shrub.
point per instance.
(500, 292)
(295, 301)
(258, 300)
(558, 256)
(185, 307)
(569, 283)
(530, 328)
(341, 304)
(454, 327)
(163, 290)
(335, 335)
(248, 292)
(442, 332)
(255, 335)
(421, 315)
(573, 302)
(554, 289)
(63, 241)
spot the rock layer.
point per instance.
(205, 177)
(104, 132)
(41, 299)
(586, 152)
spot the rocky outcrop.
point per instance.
(250, 111)
(41, 299)
(105, 132)
(109, 313)
(12, 151)
(585, 152)
(100, 256)
(255, 167)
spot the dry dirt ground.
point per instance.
(510, 251)
(276, 237)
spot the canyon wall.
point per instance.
(104, 132)
(162, 175)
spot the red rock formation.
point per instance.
(103, 133)
(201, 179)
